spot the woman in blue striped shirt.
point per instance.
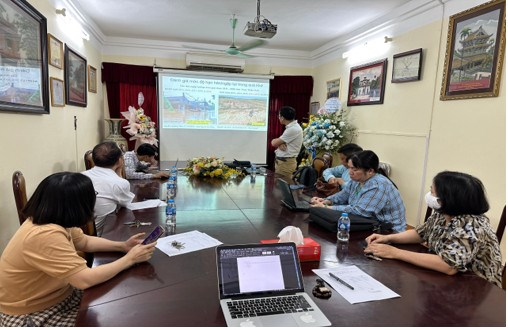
(369, 194)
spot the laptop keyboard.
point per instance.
(268, 306)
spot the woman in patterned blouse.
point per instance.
(458, 232)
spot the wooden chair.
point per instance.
(19, 189)
(88, 160)
(318, 164)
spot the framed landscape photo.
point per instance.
(332, 88)
(475, 52)
(55, 51)
(57, 92)
(407, 66)
(92, 79)
(367, 83)
(75, 78)
(24, 85)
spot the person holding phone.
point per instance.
(41, 274)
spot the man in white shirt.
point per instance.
(112, 190)
(288, 144)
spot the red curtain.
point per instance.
(123, 83)
(294, 91)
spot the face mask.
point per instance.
(432, 201)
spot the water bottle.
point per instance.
(343, 228)
(174, 174)
(170, 216)
(253, 169)
(171, 190)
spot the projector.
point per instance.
(260, 29)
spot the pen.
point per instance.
(341, 281)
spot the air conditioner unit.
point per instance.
(212, 62)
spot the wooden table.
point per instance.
(182, 290)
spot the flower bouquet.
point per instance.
(211, 167)
(141, 127)
(327, 131)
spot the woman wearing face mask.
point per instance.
(458, 233)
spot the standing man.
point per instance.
(112, 190)
(288, 144)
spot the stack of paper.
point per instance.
(186, 242)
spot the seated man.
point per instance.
(339, 175)
(369, 195)
(112, 190)
(139, 161)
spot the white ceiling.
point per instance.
(303, 25)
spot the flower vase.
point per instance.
(115, 127)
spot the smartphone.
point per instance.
(154, 235)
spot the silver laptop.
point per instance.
(301, 203)
(262, 285)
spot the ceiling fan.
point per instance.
(235, 50)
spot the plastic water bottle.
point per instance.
(170, 216)
(171, 189)
(343, 228)
(174, 173)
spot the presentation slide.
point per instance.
(213, 114)
(200, 103)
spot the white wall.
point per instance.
(39, 145)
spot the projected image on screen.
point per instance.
(239, 112)
(212, 114)
(206, 103)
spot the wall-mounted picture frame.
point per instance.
(92, 79)
(475, 52)
(407, 66)
(55, 52)
(75, 78)
(314, 107)
(24, 83)
(367, 83)
(332, 88)
(57, 89)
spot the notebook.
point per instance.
(253, 275)
(288, 198)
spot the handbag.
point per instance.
(326, 188)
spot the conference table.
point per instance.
(182, 290)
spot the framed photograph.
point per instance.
(332, 88)
(474, 52)
(75, 78)
(24, 85)
(367, 83)
(314, 107)
(92, 79)
(55, 52)
(57, 92)
(407, 66)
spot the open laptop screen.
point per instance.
(258, 270)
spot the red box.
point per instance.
(309, 251)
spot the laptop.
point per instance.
(262, 285)
(288, 198)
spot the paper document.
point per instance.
(186, 242)
(360, 286)
(149, 203)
